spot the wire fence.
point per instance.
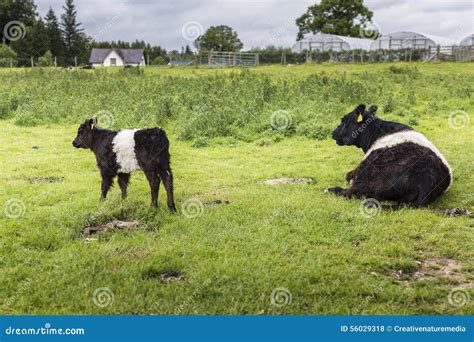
(434, 53)
(228, 59)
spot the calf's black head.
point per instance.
(352, 124)
(84, 134)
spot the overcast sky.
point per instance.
(174, 23)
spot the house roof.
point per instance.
(129, 56)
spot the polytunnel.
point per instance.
(467, 41)
(329, 42)
(408, 39)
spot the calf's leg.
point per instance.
(107, 180)
(167, 177)
(123, 179)
(154, 182)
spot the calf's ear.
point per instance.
(372, 110)
(93, 122)
(360, 111)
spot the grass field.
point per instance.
(236, 245)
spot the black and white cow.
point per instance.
(118, 153)
(399, 165)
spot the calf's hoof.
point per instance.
(172, 208)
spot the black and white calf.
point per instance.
(118, 153)
(399, 165)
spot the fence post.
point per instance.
(32, 63)
(55, 61)
(75, 61)
(234, 61)
(11, 63)
(438, 53)
(258, 59)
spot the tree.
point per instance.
(23, 11)
(7, 56)
(219, 38)
(34, 43)
(46, 59)
(341, 17)
(187, 50)
(159, 61)
(73, 35)
(55, 39)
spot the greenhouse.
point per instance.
(468, 41)
(409, 40)
(328, 42)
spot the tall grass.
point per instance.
(241, 104)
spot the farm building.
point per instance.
(468, 41)
(330, 42)
(407, 39)
(116, 57)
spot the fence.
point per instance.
(435, 53)
(451, 53)
(228, 59)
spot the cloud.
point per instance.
(258, 23)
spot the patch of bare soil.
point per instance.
(216, 202)
(115, 224)
(278, 181)
(454, 212)
(170, 276)
(432, 269)
(166, 276)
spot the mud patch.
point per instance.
(166, 276)
(41, 180)
(216, 202)
(115, 224)
(278, 181)
(454, 212)
(432, 269)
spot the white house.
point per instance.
(116, 57)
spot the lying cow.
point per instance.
(399, 165)
(120, 153)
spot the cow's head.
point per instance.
(353, 124)
(84, 134)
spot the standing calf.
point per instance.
(120, 153)
(399, 165)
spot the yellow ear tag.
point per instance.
(360, 118)
(92, 126)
